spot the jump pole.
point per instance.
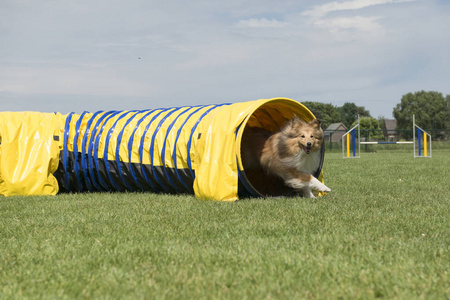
(423, 138)
(346, 137)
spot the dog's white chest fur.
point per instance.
(304, 162)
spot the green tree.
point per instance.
(430, 109)
(350, 111)
(447, 124)
(326, 113)
(370, 128)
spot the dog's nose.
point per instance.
(308, 144)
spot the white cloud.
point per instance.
(260, 23)
(362, 24)
(348, 27)
(322, 10)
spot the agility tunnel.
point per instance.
(351, 142)
(191, 149)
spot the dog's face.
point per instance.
(308, 136)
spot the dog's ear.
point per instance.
(289, 128)
(315, 122)
(296, 119)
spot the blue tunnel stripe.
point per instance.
(91, 150)
(102, 182)
(152, 146)
(130, 148)
(117, 156)
(76, 167)
(174, 154)
(66, 152)
(105, 152)
(141, 149)
(163, 151)
(84, 154)
(133, 113)
(96, 151)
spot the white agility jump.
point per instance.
(351, 144)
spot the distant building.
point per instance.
(390, 130)
(334, 132)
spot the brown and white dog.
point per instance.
(292, 154)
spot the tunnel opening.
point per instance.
(267, 119)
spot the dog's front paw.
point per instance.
(319, 186)
(327, 189)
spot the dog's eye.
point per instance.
(303, 136)
(312, 136)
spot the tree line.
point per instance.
(431, 110)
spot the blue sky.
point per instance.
(102, 55)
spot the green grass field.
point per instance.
(383, 232)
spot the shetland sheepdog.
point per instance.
(292, 154)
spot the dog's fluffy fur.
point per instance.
(292, 154)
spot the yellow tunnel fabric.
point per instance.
(215, 154)
(29, 152)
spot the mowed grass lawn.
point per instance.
(383, 232)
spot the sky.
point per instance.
(89, 55)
